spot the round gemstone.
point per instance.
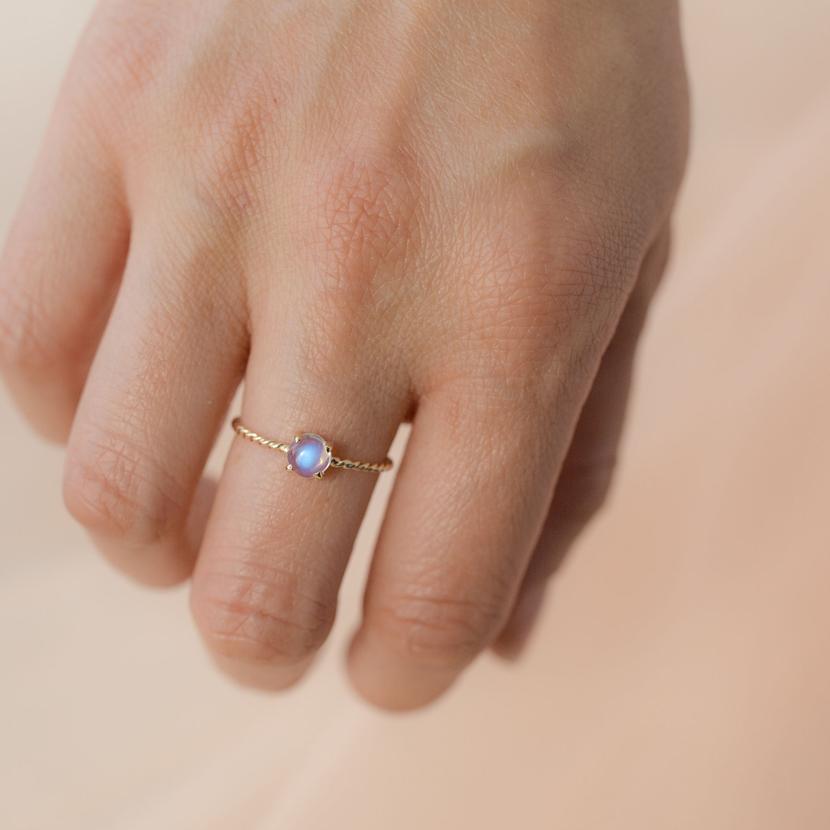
(308, 456)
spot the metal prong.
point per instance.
(289, 467)
(296, 438)
(328, 448)
(318, 475)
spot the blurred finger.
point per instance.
(587, 472)
(467, 504)
(167, 367)
(60, 269)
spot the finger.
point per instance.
(265, 587)
(169, 362)
(589, 465)
(60, 269)
(477, 481)
(467, 504)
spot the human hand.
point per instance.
(449, 212)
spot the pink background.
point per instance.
(680, 676)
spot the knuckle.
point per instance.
(127, 43)
(111, 487)
(260, 613)
(359, 229)
(364, 205)
(598, 262)
(230, 171)
(438, 629)
(228, 156)
(544, 290)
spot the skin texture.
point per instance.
(453, 213)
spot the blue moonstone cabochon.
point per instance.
(308, 456)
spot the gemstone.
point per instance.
(308, 455)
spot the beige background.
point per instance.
(680, 678)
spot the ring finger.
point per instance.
(266, 582)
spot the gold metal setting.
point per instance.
(343, 463)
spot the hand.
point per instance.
(454, 212)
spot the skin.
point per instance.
(454, 213)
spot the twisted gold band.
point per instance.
(309, 454)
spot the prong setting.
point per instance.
(309, 455)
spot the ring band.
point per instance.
(309, 454)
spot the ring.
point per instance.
(309, 454)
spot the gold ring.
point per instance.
(309, 454)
